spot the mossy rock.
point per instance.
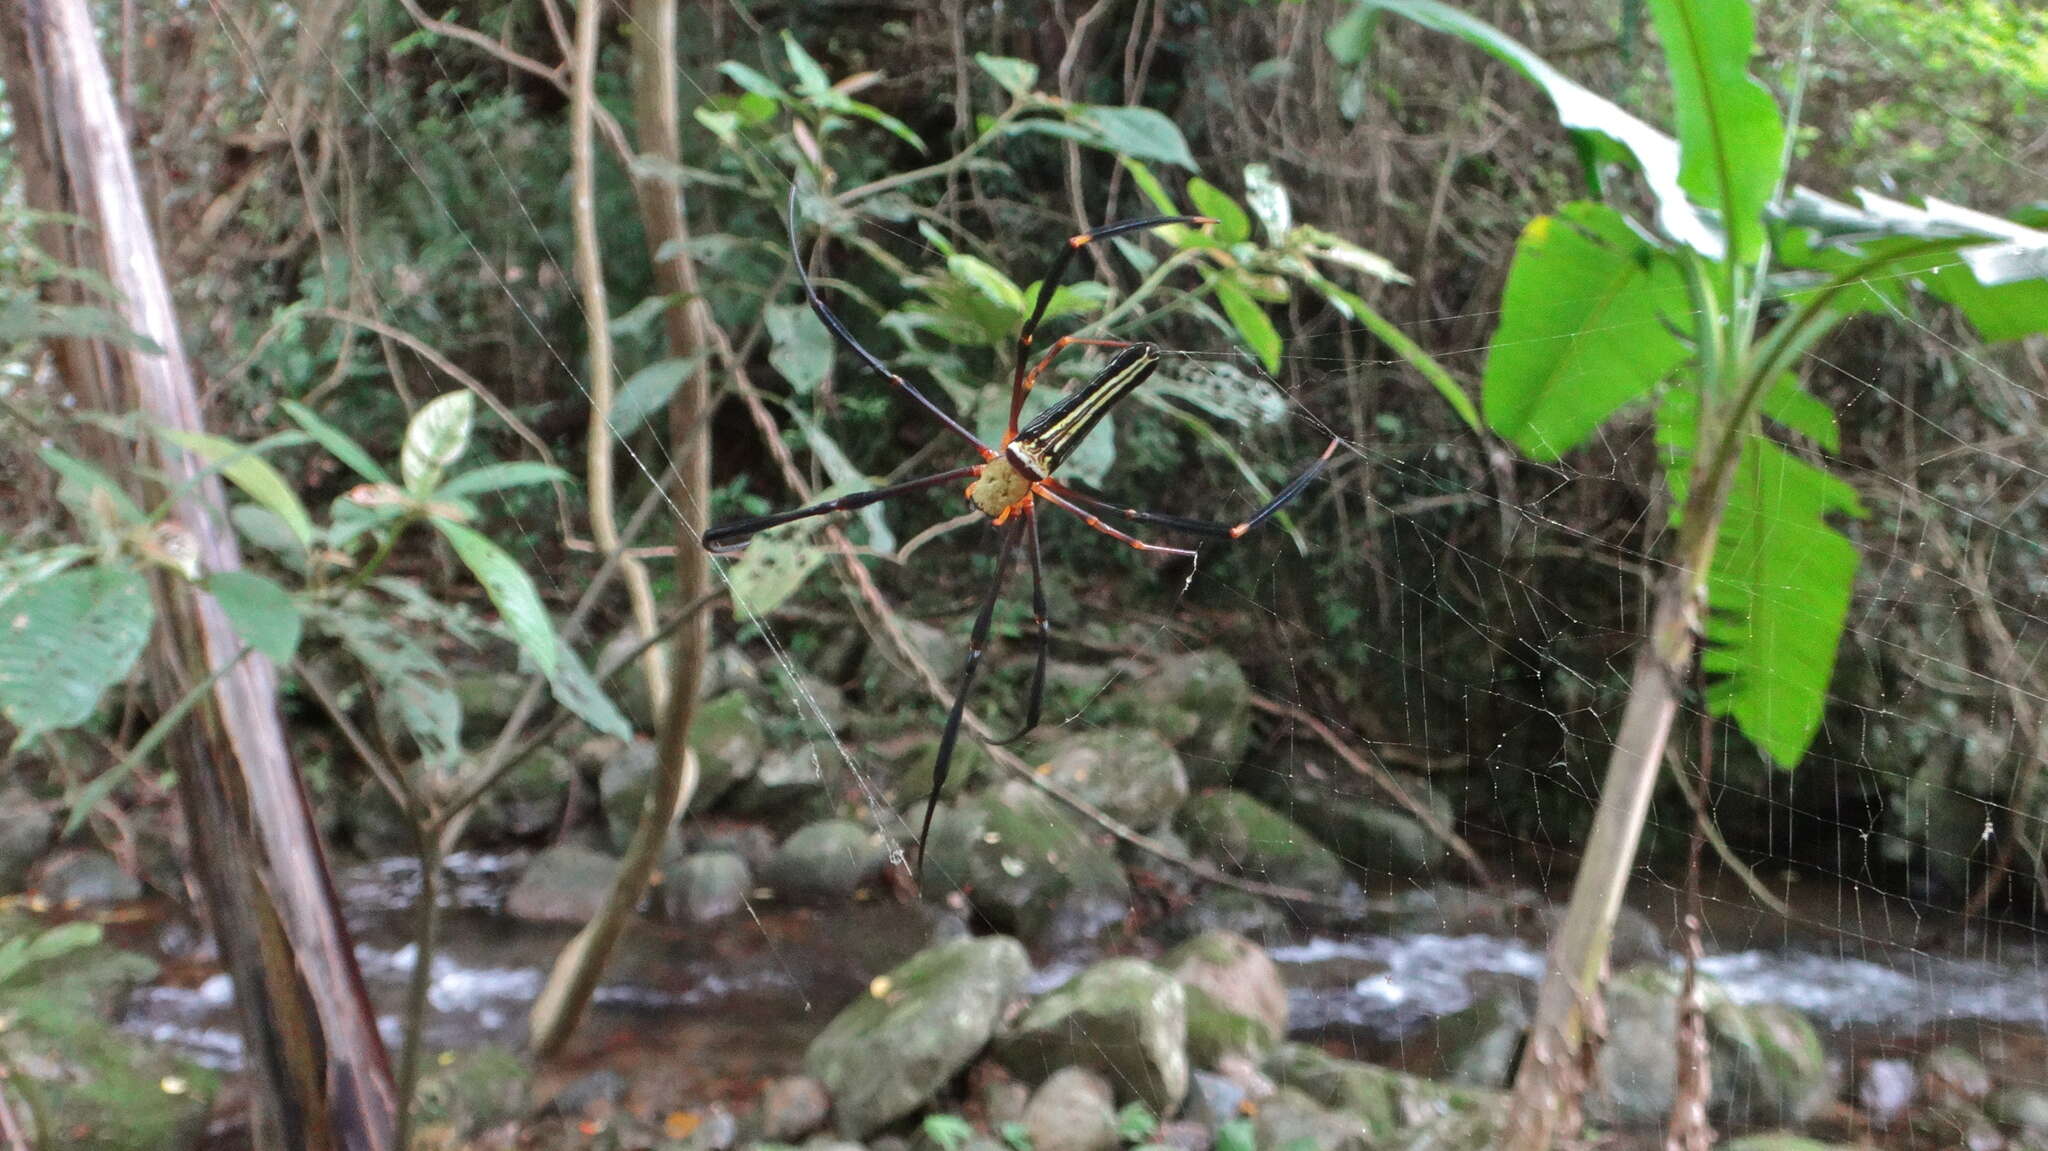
(727, 736)
(1201, 703)
(1215, 1032)
(1242, 835)
(1351, 816)
(474, 1089)
(1390, 1102)
(1129, 774)
(1029, 866)
(1122, 1017)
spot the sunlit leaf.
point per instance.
(1232, 225)
(753, 81)
(436, 438)
(337, 443)
(263, 614)
(496, 477)
(65, 640)
(1015, 76)
(1150, 185)
(810, 78)
(1582, 330)
(1250, 320)
(1268, 201)
(772, 568)
(511, 591)
(253, 475)
(798, 345)
(996, 287)
(1731, 139)
(1143, 133)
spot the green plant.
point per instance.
(950, 1132)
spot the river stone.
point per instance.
(622, 785)
(916, 1028)
(1291, 1119)
(1130, 774)
(475, 1089)
(25, 830)
(1073, 1110)
(726, 735)
(1201, 703)
(527, 803)
(1214, 1099)
(1122, 1017)
(1030, 867)
(1769, 1066)
(1218, 908)
(1351, 816)
(787, 786)
(1242, 835)
(628, 688)
(1389, 1102)
(828, 860)
(1782, 1141)
(1238, 974)
(1886, 1089)
(1216, 1033)
(1478, 1045)
(705, 886)
(793, 1107)
(2023, 1108)
(567, 883)
(1951, 1075)
(84, 877)
(911, 783)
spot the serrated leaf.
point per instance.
(1582, 330)
(798, 345)
(253, 475)
(264, 614)
(1232, 225)
(1016, 76)
(1731, 139)
(436, 438)
(337, 443)
(771, 570)
(1250, 320)
(417, 684)
(1135, 131)
(649, 390)
(65, 640)
(1268, 200)
(511, 591)
(496, 477)
(576, 689)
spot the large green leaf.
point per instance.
(649, 390)
(798, 345)
(496, 477)
(264, 614)
(337, 442)
(436, 438)
(1731, 139)
(1232, 225)
(415, 684)
(576, 689)
(1250, 320)
(1016, 76)
(253, 475)
(772, 568)
(65, 640)
(1777, 597)
(510, 588)
(1136, 131)
(1607, 132)
(1582, 330)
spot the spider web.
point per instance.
(1493, 682)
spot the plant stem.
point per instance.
(426, 937)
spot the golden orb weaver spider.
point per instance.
(1016, 473)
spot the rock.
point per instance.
(622, 785)
(1029, 866)
(1389, 1102)
(629, 687)
(1477, 1129)
(1769, 1067)
(912, 782)
(596, 1093)
(527, 803)
(705, 886)
(1128, 773)
(567, 883)
(793, 1107)
(726, 735)
(1003, 1099)
(1353, 818)
(1951, 1075)
(828, 860)
(916, 1028)
(25, 830)
(1184, 1135)
(1213, 1099)
(1238, 974)
(1886, 1090)
(487, 699)
(717, 1130)
(1217, 908)
(1073, 1110)
(476, 1089)
(1122, 1017)
(1478, 1045)
(2022, 1108)
(84, 877)
(1201, 703)
(787, 786)
(749, 841)
(1215, 1032)
(1242, 835)
(1781, 1141)
(1291, 1119)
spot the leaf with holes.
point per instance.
(264, 614)
(65, 640)
(771, 570)
(576, 689)
(1268, 200)
(511, 591)
(253, 475)
(798, 346)
(436, 438)
(1582, 330)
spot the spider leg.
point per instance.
(731, 536)
(1042, 616)
(1046, 287)
(839, 332)
(1050, 491)
(1210, 528)
(977, 642)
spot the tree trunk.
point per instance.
(313, 1041)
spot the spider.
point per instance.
(1016, 474)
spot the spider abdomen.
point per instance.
(999, 488)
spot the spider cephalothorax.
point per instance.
(1015, 475)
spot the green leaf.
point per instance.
(1134, 131)
(264, 614)
(1607, 132)
(1731, 139)
(1777, 597)
(846, 478)
(1335, 249)
(65, 640)
(19, 571)
(984, 278)
(1232, 225)
(1221, 389)
(798, 346)
(950, 1132)
(337, 443)
(810, 78)
(1016, 76)
(874, 115)
(772, 568)
(80, 479)
(1582, 329)
(436, 438)
(752, 81)
(25, 951)
(511, 591)
(1250, 320)
(1268, 201)
(496, 477)
(1135, 1121)
(576, 689)
(412, 679)
(1236, 1135)
(1150, 185)
(2001, 312)
(1353, 307)
(649, 390)
(253, 475)
(1796, 408)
